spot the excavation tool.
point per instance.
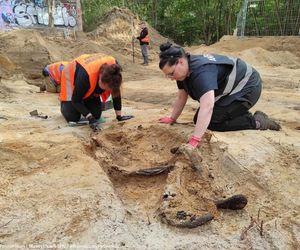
(37, 114)
(79, 123)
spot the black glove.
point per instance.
(124, 117)
(93, 123)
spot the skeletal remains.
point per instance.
(185, 205)
(180, 218)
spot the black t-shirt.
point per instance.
(213, 75)
(81, 87)
(208, 77)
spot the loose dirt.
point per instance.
(63, 187)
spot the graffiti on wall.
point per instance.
(26, 13)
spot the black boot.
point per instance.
(265, 122)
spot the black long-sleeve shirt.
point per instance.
(81, 87)
(143, 34)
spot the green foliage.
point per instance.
(195, 21)
(93, 11)
(273, 17)
(184, 21)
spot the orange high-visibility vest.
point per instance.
(92, 64)
(146, 39)
(55, 71)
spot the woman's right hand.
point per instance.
(167, 120)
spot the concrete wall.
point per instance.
(34, 13)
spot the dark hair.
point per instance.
(111, 74)
(169, 54)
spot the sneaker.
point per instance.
(234, 202)
(265, 122)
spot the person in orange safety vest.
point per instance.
(144, 42)
(52, 74)
(83, 80)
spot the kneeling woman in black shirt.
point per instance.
(225, 87)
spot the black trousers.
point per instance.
(70, 113)
(236, 115)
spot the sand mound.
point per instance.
(231, 44)
(267, 51)
(119, 27)
(260, 56)
(25, 51)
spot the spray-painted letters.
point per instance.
(26, 13)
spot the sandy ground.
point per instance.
(65, 187)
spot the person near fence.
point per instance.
(225, 87)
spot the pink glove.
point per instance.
(167, 120)
(194, 141)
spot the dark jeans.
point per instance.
(144, 49)
(70, 113)
(235, 116)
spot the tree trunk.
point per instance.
(50, 4)
(79, 15)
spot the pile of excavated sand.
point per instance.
(119, 27)
(285, 43)
(262, 57)
(257, 51)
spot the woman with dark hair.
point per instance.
(83, 81)
(225, 87)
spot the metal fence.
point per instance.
(269, 18)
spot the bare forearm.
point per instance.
(203, 120)
(179, 105)
(205, 113)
